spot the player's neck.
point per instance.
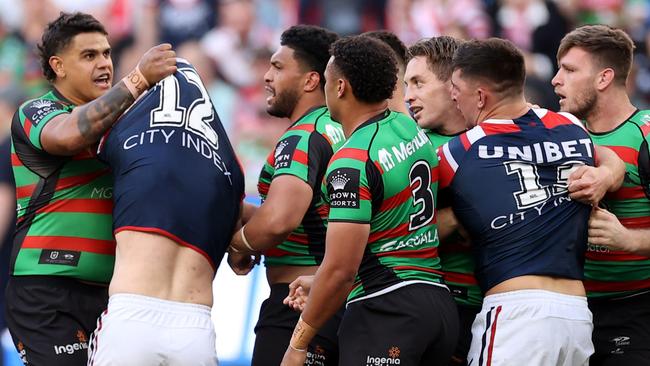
(610, 111)
(304, 104)
(69, 94)
(359, 113)
(505, 108)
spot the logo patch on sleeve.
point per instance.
(39, 109)
(343, 188)
(283, 154)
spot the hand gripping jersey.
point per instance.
(386, 175)
(611, 273)
(509, 184)
(303, 151)
(64, 203)
(175, 172)
(455, 255)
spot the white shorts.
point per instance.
(532, 328)
(138, 330)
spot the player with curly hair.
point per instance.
(381, 242)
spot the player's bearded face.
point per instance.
(283, 103)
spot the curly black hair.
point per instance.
(369, 66)
(393, 42)
(311, 46)
(495, 60)
(60, 32)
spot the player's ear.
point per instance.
(604, 78)
(312, 82)
(481, 97)
(56, 63)
(342, 87)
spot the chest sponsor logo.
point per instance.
(284, 150)
(388, 158)
(64, 257)
(343, 188)
(39, 109)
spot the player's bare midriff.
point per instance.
(564, 286)
(286, 274)
(156, 266)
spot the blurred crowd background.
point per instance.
(230, 43)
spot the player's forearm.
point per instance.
(639, 240)
(609, 160)
(262, 232)
(329, 291)
(86, 124)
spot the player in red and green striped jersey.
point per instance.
(63, 250)
(594, 64)
(290, 225)
(381, 243)
(427, 80)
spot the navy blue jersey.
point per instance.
(508, 179)
(175, 172)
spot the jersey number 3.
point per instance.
(420, 178)
(195, 118)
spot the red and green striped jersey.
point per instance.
(610, 273)
(64, 203)
(386, 175)
(455, 254)
(303, 151)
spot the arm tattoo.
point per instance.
(96, 117)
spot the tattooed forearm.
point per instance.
(96, 117)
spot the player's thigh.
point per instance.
(398, 327)
(50, 322)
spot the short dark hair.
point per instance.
(393, 42)
(311, 46)
(439, 53)
(60, 32)
(494, 60)
(368, 64)
(610, 47)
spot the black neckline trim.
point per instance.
(615, 128)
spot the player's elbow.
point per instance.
(280, 226)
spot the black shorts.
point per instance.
(466, 316)
(50, 318)
(621, 331)
(417, 324)
(275, 327)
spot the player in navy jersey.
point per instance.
(529, 237)
(177, 190)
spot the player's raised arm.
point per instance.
(68, 134)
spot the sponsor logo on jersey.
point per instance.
(39, 109)
(343, 188)
(64, 257)
(545, 152)
(317, 357)
(392, 359)
(284, 151)
(388, 158)
(429, 236)
(335, 133)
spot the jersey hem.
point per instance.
(395, 287)
(168, 235)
